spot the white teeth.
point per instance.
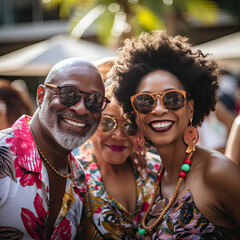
(75, 123)
(161, 124)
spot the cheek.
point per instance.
(98, 140)
(96, 118)
(131, 143)
(140, 122)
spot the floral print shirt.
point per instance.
(24, 187)
(105, 218)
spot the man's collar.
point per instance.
(28, 156)
(27, 152)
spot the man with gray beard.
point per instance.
(42, 186)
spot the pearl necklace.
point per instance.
(149, 230)
(49, 164)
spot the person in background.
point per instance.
(172, 88)
(233, 142)
(227, 89)
(12, 104)
(237, 95)
(215, 129)
(42, 185)
(117, 192)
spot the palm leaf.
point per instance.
(148, 19)
(203, 10)
(6, 164)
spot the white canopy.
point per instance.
(225, 50)
(38, 59)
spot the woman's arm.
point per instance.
(233, 142)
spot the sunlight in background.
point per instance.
(114, 7)
(87, 20)
(168, 2)
(119, 24)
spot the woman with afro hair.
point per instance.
(171, 87)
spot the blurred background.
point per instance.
(35, 34)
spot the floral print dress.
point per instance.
(105, 218)
(24, 188)
(184, 221)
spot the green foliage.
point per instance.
(147, 19)
(104, 27)
(146, 15)
(203, 10)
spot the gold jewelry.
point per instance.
(49, 164)
(149, 230)
(52, 167)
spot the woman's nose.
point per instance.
(118, 133)
(159, 107)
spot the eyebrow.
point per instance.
(165, 90)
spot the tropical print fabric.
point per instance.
(185, 221)
(105, 218)
(24, 188)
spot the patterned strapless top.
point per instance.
(185, 221)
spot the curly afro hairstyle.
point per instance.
(152, 51)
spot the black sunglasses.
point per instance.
(109, 124)
(69, 96)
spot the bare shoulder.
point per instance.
(215, 184)
(221, 178)
(220, 170)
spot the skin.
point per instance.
(55, 135)
(116, 171)
(3, 116)
(211, 173)
(232, 147)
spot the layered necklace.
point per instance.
(68, 164)
(143, 229)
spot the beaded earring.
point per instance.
(139, 143)
(191, 137)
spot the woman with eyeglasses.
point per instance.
(171, 87)
(117, 191)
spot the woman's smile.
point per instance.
(161, 126)
(116, 148)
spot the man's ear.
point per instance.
(40, 95)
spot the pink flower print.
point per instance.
(35, 225)
(99, 210)
(93, 166)
(137, 218)
(11, 142)
(156, 166)
(145, 206)
(27, 178)
(63, 231)
(80, 192)
(144, 209)
(87, 177)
